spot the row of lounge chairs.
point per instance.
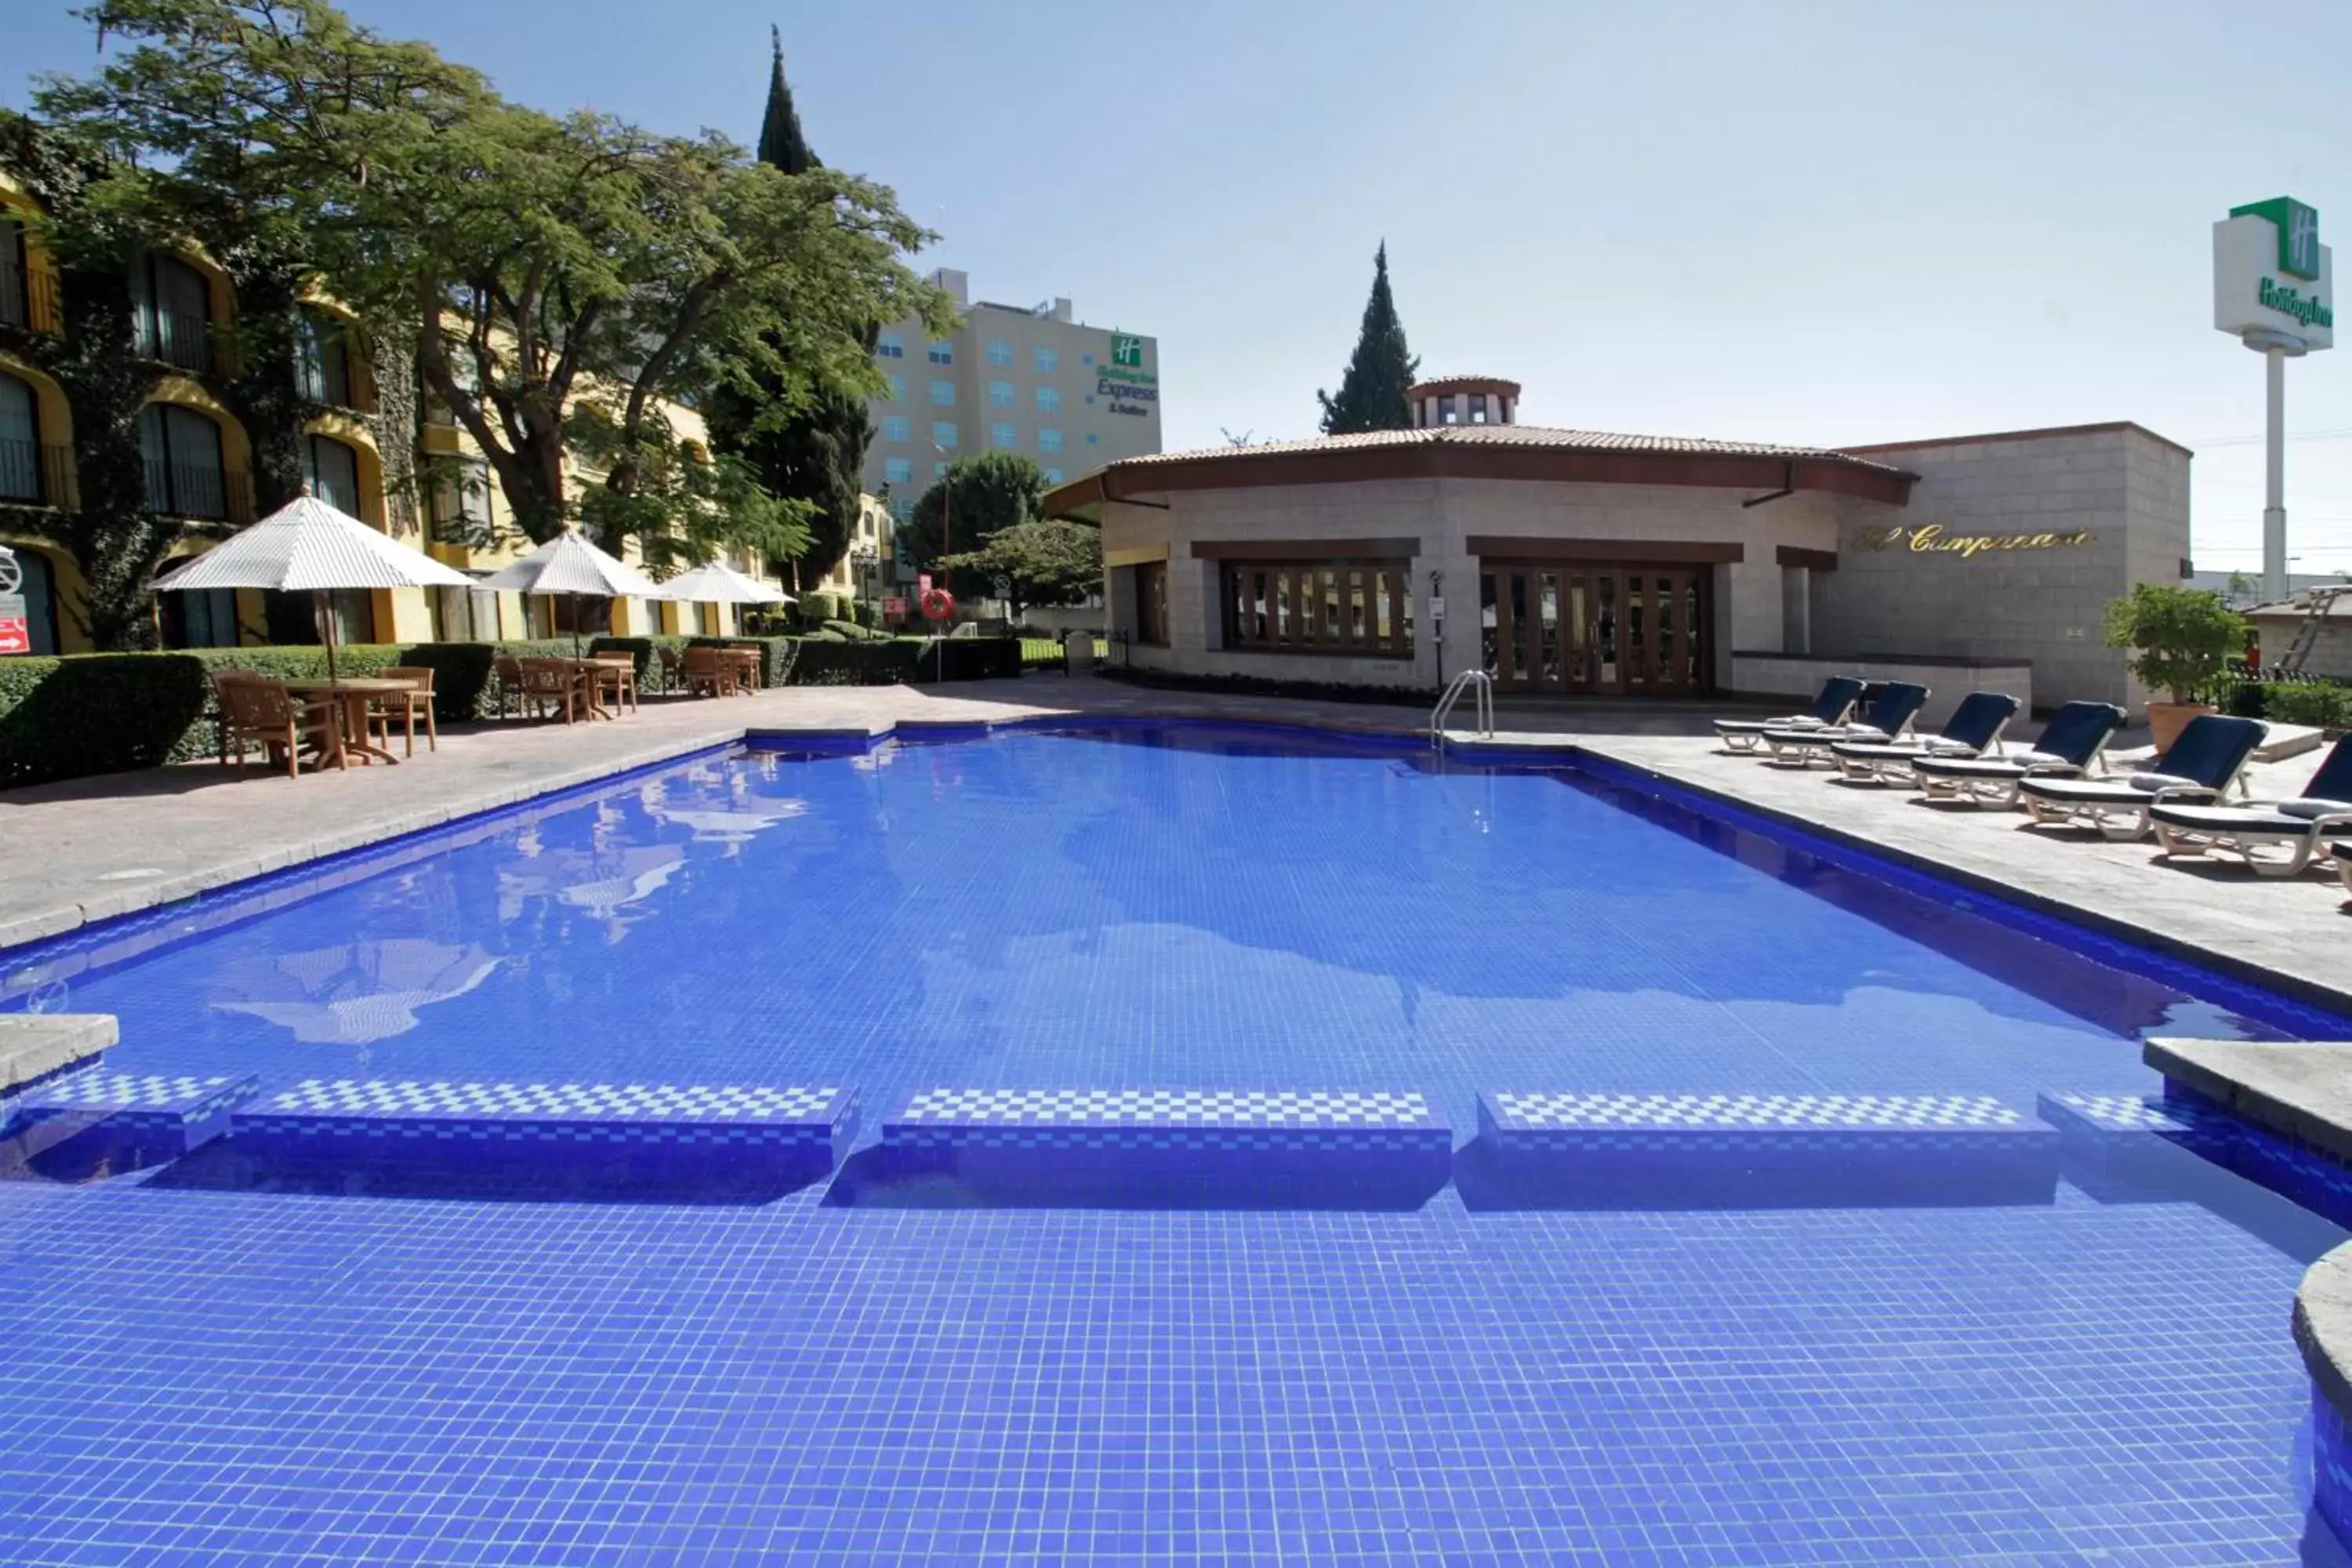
(2182, 795)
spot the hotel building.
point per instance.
(1576, 563)
(198, 465)
(1027, 379)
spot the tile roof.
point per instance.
(1521, 436)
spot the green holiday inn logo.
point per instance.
(2298, 232)
(1126, 350)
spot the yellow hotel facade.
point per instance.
(198, 466)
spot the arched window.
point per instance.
(20, 441)
(335, 472)
(172, 310)
(16, 275)
(184, 474)
(323, 361)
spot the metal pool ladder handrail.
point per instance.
(1483, 705)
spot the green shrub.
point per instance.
(2180, 639)
(96, 713)
(818, 607)
(2316, 702)
(851, 631)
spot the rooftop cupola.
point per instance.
(1464, 400)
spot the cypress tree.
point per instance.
(1372, 392)
(819, 456)
(781, 142)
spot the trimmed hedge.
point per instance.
(63, 718)
(2316, 702)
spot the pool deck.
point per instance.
(89, 848)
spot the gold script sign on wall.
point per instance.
(1934, 539)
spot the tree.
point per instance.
(1372, 392)
(551, 263)
(977, 499)
(2181, 639)
(1046, 561)
(817, 454)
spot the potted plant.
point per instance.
(2182, 639)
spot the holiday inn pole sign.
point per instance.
(2274, 292)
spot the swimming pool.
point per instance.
(205, 1366)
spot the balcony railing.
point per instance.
(28, 299)
(176, 338)
(199, 491)
(35, 474)
(337, 381)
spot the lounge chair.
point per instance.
(2200, 765)
(1832, 705)
(2070, 745)
(2300, 826)
(1886, 719)
(1973, 730)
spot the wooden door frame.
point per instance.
(1698, 566)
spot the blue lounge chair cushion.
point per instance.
(2076, 731)
(2210, 749)
(1831, 703)
(1979, 720)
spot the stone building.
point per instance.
(1580, 563)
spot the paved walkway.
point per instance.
(93, 848)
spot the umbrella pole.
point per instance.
(326, 629)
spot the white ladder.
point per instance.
(1483, 705)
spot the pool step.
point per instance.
(1175, 1147)
(467, 1124)
(1603, 1150)
(121, 1120)
(2133, 1148)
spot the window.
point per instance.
(901, 510)
(897, 472)
(942, 354)
(890, 345)
(1044, 361)
(1091, 439)
(323, 361)
(16, 276)
(465, 615)
(171, 308)
(1151, 603)
(183, 452)
(1000, 354)
(1053, 476)
(943, 434)
(1003, 436)
(1474, 407)
(1049, 439)
(1319, 607)
(1000, 394)
(460, 507)
(1049, 400)
(938, 471)
(20, 441)
(1086, 359)
(894, 427)
(203, 617)
(1446, 415)
(334, 474)
(898, 387)
(943, 394)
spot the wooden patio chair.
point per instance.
(673, 668)
(556, 681)
(709, 672)
(259, 711)
(617, 679)
(406, 705)
(508, 671)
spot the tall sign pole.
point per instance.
(2274, 290)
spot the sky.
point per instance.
(1817, 223)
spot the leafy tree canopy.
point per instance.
(978, 497)
(567, 269)
(1046, 561)
(1373, 393)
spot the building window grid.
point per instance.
(1337, 607)
(890, 345)
(897, 388)
(1002, 434)
(1049, 400)
(1048, 439)
(941, 353)
(999, 352)
(943, 394)
(899, 471)
(943, 433)
(895, 428)
(1044, 361)
(1000, 394)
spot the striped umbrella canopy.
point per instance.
(717, 583)
(568, 563)
(308, 546)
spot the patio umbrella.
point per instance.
(308, 546)
(569, 565)
(717, 583)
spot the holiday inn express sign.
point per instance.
(2271, 274)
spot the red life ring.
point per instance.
(936, 603)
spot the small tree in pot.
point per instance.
(2182, 639)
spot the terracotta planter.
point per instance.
(2167, 719)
